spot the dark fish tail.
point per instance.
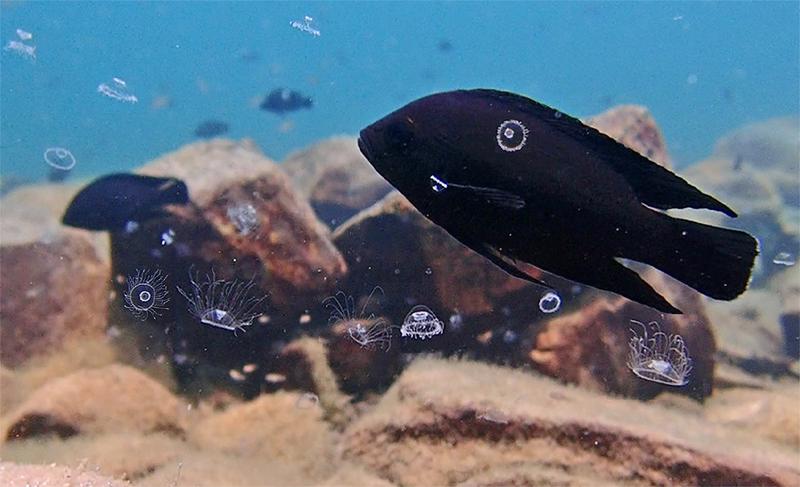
(715, 261)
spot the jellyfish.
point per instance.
(367, 330)
(512, 135)
(659, 358)
(119, 91)
(59, 158)
(420, 322)
(146, 294)
(229, 305)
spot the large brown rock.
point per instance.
(756, 171)
(590, 346)
(335, 178)
(110, 399)
(634, 126)
(443, 423)
(55, 280)
(245, 221)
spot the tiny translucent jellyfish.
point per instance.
(305, 26)
(367, 330)
(307, 400)
(784, 258)
(512, 135)
(147, 293)
(244, 218)
(24, 50)
(24, 35)
(229, 305)
(420, 322)
(550, 302)
(119, 91)
(659, 358)
(59, 158)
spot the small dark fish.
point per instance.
(211, 128)
(110, 202)
(516, 180)
(282, 100)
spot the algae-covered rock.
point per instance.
(274, 427)
(635, 127)
(590, 346)
(109, 399)
(445, 422)
(18, 475)
(336, 179)
(55, 280)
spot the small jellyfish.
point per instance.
(223, 304)
(550, 302)
(307, 400)
(420, 322)
(784, 258)
(305, 26)
(244, 217)
(24, 50)
(167, 237)
(512, 135)
(365, 329)
(659, 358)
(24, 35)
(119, 91)
(147, 294)
(59, 158)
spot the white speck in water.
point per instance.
(428, 271)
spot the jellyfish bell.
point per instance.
(229, 305)
(146, 295)
(420, 322)
(659, 357)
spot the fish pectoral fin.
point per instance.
(493, 196)
(500, 261)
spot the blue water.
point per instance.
(370, 59)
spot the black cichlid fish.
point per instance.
(516, 180)
(110, 202)
(282, 100)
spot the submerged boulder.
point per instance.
(55, 279)
(336, 179)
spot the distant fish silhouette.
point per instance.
(110, 202)
(211, 128)
(283, 100)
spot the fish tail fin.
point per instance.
(715, 261)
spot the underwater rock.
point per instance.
(391, 244)
(767, 413)
(634, 126)
(22, 475)
(110, 399)
(336, 178)
(755, 169)
(55, 279)
(287, 244)
(749, 335)
(244, 221)
(447, 422)
(590, 346)
(271, 426)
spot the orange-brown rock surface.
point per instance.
(108, 399)
(446, 423)
(335, 178)
(55, 280)
(16, 475)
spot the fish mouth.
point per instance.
(363, 145)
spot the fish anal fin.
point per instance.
(510, 267)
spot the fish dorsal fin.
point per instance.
(653, 184)
(493, 196)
